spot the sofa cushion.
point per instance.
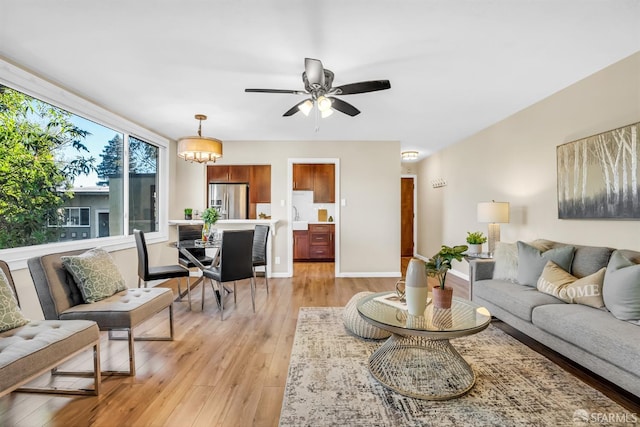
(10, 313)
(568, 288)
(621, 289)
(531, 261)
(27, 350)
(506, 262)
(125, 309)
(589, 259)
(95, 273)
(595, 331)
(516, 299)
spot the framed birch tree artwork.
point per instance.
(599, 176)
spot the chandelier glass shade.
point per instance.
(199, 148)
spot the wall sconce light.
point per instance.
(493, 213)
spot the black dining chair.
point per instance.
(259, 252)
(192, 232)
(147, 273)
(235, 264)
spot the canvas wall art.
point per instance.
(599, 176)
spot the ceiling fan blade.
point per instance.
(294, 109)
(362, 87)
(295, 92)
(314, 71)
(343, 107)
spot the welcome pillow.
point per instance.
(10, 314)
(568, 288)
(531, 261)
(621, 290)
(95, 273)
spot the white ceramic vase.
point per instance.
(416, 289)
(475, 248)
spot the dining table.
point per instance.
(184, 247)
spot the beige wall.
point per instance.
(369, 183)
(515, 161)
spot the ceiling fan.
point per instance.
(318, 84)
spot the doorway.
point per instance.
(313, 211)
(407, 215)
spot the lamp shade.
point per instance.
(493, 212)
(199, 149)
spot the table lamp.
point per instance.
(493, 213)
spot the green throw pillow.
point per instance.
(10, 314)
(95, 273)
(621, 289)
(531, 261)
(568, 288)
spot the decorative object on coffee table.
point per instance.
(437, 267)
(416, 289)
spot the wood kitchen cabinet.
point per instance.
(319, 178)
(231, 173)
(300, 245)
(260, 184)
(303, 176)
(315, 244)
(324, 183)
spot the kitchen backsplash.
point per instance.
(307, 210)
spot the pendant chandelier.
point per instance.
(199, 148)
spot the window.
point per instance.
(65, 177)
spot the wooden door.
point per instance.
(406, 217)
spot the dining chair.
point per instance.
(235, 264)
(259, 252)
(192, 232)
(147, 273)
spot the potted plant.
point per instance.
(210, 216)
(188, 213)
(475, 241)
(437, 266)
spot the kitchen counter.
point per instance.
(230, 223)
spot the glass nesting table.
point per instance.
(418, 360)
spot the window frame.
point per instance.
(36, 87)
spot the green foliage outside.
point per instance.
(33, 135)
(438, 265)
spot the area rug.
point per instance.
(329, 384)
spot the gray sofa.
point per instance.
(591, 337)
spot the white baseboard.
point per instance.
(370, 274)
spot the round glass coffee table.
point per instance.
(418, 360)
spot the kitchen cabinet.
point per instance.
(317, 243)
(303, 176)
(231, 173)
(300, 245)
(319, 178)
(260, 184)
(324, 183)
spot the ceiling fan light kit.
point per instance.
(318, 83)
(199, 148)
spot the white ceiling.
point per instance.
(455, 66)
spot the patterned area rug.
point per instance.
(329, 385)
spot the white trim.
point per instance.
(459, 274)
(371, 274)
(23, 81)
(316, 160)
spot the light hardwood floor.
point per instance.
(215, 373)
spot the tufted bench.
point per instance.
(28, 351)
(61, 299)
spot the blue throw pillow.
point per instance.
(621, 289)
(531, 261)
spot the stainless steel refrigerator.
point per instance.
(231, 200)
